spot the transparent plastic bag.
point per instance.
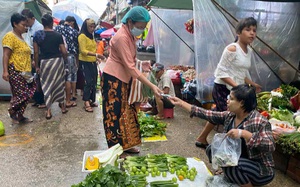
(225, 151)
(218, 180)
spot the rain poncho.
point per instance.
(137, 14)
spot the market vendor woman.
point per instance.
(242, 120)
(120, 118)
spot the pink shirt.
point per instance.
(121, 60)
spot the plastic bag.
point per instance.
(225, 151)
(218, 180)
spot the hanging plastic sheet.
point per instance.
(169, 48)
(278, 26)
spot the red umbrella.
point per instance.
(106, 25)
(108, 33)
(56, 21)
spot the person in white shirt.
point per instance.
(33, 26)
(232, 70)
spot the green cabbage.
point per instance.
(283, 115)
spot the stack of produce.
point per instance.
(150, 127)
(159, 165)
(276, 106)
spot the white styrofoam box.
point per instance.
(85, 156)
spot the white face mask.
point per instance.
(136, 32)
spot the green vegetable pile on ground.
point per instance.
(109, 176)
(290, 143)
(150, 127)
(158, 165)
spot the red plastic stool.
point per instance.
(169, 112)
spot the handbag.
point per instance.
(136, 93)
(27, 76)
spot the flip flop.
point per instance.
(71, 105)
(88, 108)
(48, 117)
(158, 117)
(132, 151)
(201, 145)
(40, 106)
(26, 120)
(93, 104)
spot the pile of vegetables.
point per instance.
(290, 143)
(279, 100)
(159, 165)
(150, 127)
(108, 176)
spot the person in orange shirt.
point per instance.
(117, 75)
(100, 47)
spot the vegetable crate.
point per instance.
(293, 169)
(281, 159)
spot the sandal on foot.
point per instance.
(25, 120)
(93, 104)
(158, 117)
(88, 108)
(40, 106)
(73, 104)
(132, 151)
(201, 145)
(218, 172)
(64, 111)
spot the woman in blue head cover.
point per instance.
(119, 118)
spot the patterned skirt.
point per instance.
(52, 76)
(119, 118)
(21, 91)
(220, 93)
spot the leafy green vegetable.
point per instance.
(282, 103)
(108, 176)
(150, 127)
(288, 91)
(290, 143)
(283, 115)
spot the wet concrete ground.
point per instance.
(48, 153)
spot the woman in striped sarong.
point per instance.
(51, 68)
(16, 60)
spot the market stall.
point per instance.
(275, 60)
(281, 107)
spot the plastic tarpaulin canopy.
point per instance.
(169, 49)
(75, 8)
(278, 26)
(172, 4)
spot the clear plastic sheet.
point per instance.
(7, 9)
(278, 26)
(169, 49)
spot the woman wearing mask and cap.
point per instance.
(87, 61)
(118, 72)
